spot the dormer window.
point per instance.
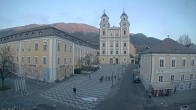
(40, 32)
(15, 36)
(32, 32)
(26, 34)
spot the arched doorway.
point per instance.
(132, 61)
(111, 60)
(116, 60)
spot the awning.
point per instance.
(162, 86)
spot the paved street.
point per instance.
(92, 94)
(86, 88)
(126, 97)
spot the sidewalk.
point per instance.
(174, 101)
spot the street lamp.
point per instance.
(112, 78)
(118, 74)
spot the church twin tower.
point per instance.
(115, 46)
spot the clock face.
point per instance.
(124, 24)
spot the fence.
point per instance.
(20, 85)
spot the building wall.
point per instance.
(55, 67)
(167, 70)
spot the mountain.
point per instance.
(88, 33)
(142, 42)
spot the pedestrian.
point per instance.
(115, 77)
(174, 90)
(74, 90)
(89, 76)
(108, 78)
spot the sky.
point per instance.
(154, 18)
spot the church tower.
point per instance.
(115, 46)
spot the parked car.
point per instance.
(136, 79)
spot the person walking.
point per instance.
(74, 90)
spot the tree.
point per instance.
(87, 61)
(184, 39)
(7, 66)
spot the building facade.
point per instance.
(46, 53)
(115, 46)
(168, 67)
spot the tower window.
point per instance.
(125, 32)
(103, 19)
(124, 18)
(103, 32)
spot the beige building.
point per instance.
(46, 53)
(115, 46)
(168, 67)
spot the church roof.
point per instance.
(124, 14)
(169, 46)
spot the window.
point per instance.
(161, 62)
(117, 34)
(36, 59)
(124, 52)
(103, 32)
(58, 46)
(116, 44)
(183, 62)
(36, 46)
(125, 32)
(22, 47)
(65, 47)
(124, 44)
(173, 63)
(28, 59)
(70, 60)
(182, 77)
(172, 77)
(22, 59)
(160, 78)
(29, 46)
(17, 59)
(58, 60)
(111, 44)
(191, 76)
(116, 52)
(44, 60)
(111, 52)
(44, 46)
(103, 52)
(192, 62)
(17, 48)
(103, 45)
(64, 60)
(70, 48)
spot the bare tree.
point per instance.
(184, 39)
(88, 60)
(7, 66)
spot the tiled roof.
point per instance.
(169, 46)
(42, 31)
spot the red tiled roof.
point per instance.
(169, 46)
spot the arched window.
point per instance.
(125, 31)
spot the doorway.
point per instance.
(111, 60)
(116, 60)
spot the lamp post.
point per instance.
(118, 74)
(112, 78)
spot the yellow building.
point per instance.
(115, 46)
(168, 67)
(46, 53)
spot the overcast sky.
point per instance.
(154, 18)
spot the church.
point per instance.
(115, 46)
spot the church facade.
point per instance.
(115, 46)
